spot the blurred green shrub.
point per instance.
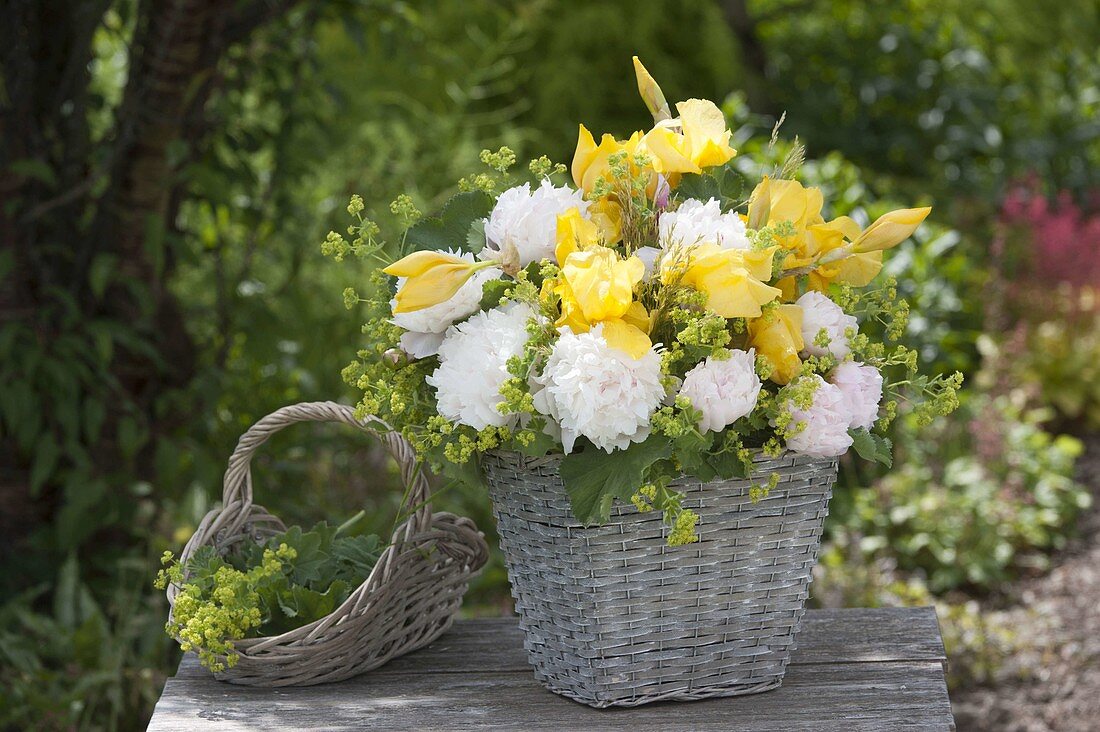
(974, 502)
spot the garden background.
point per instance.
(169, 169)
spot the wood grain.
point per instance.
(854, 670)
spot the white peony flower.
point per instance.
(695, 222)
(826, 431)
(599, 392)
(473, 364)
(426, 326)
(861, 386)
(724, 391)
(819, 312)
(523, 226)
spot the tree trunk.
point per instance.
(753, 54)
(64, 203)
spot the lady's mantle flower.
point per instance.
(821, 430)
(425, 327)
(695, 222)
(523, 225)
(861, 386)
(723, 390)
(474, 365)
(820, 313)
(597, 391)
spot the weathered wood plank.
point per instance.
(855, 670)
(828, 636)
(863, 696)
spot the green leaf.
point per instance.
(870, 446)
(594, 478)
(451, 230)
(700, 187)
(35, 168)
(46, 457)
(725, 184)
(305, 605)
(475, 237)
(100, 273)
(493, 290)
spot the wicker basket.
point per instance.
(614, 617)
(408, 600)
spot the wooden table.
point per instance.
(853, 670)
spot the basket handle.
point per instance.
(237, 484)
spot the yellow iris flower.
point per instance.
(590, 161)
(575, 232)
(890, 229)
(777, 336)
(733, 279)
(843, 252)
(702, 140)
(431, 278)
(597, 286)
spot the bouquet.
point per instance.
(645, 321)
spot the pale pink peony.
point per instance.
(723, 390)
(818, 313)
(861, 386)
(826, 423)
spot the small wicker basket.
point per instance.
(408, 600)
(613, 616)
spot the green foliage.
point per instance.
(975, 499)
(870, 446)
(451, 230)
(1060, 359)
(392, 97)
(594, 478)
(291, 580)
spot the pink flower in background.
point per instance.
(1064, 240)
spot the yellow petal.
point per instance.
(824, 238)
(434, 286)
(637, 316)
(859, 269)
(759, 262)
(760, 205)
(601, 282)
(705, 133)
(583, 155)
(651, 93)
(574, 233)
(666, 150)
(608, 217)
(777, 336)
(732, 290)
(626, 337)
(571, 313)
(740, 296)
(418, 263)
(890, 229)
(846, 226)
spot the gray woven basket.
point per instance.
(409, 599)
(615, 617)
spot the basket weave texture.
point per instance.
(613, 616)
(408, 600)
